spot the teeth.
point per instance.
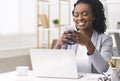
(81, 23)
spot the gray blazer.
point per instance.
(103, 52)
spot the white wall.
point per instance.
(18, 24)
(9, 16)
(28, 15)
(113, 13)
(17, 41)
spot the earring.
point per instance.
(76, 27)
(93, 19)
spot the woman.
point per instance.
(93, 48)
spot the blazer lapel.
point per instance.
(94, 37)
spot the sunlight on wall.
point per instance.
(9, 17)
(18, 16)
(17, 23)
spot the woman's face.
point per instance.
(83, 16)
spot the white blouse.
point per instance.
(83, 62)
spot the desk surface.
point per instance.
(12, 76)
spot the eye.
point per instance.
(76, 15)
(85, 14)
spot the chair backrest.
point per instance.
(53, 43)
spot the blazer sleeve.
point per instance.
(100, 57)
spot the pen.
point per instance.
(116, 63)
(110, 64)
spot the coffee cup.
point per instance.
(22, 70)
(115, 74)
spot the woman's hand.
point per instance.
(85, 41)
(80, 38)
(67, 35)
(76, 37)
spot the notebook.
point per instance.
(54, 63)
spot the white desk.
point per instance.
(11, 76)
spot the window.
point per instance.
(9, 17)
(17, 23)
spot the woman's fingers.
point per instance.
(69, 31)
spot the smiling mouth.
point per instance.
(81, 23)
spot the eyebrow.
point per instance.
(81, 12)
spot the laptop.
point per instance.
(54, 63)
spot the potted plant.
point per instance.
(56, 22)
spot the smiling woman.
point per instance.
(92, 46)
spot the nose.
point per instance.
(80, 17)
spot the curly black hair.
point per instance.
(99, 24)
